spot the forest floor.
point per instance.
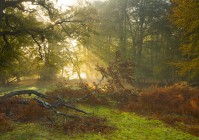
(119, 124)
(129, 126)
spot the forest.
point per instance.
(99, 69)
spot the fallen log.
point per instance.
(25, 92)
(48, 105)
(59, 103)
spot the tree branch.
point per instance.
(74, 108)
(11, 33)
(38, 44)
(49, 106)
(13, 3)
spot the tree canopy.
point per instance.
(186, 19)
(36, 29)
(36, 36)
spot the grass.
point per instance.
(128, 126)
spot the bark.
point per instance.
(74, 108)
(59, 103)
(2, 5)
(25, 92)
(49, 106)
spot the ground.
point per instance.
(127, 126)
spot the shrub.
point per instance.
(17, 110)
(4, 124)
(31, 112)
(172, 104)
(174, 99)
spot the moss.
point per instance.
(131, 126)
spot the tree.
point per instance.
(140, 30)
(38, 23)
(20, 28)
(186, 19)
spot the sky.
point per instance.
(66, 3)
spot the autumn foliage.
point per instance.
(172, 100)
(173, 105)
(19, 111)
(4, 123)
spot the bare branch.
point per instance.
(38, 44)
(49, 106)
(74, 108)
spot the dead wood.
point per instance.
(25, 92)
(74, 108)
(60, 102)
(49, 106)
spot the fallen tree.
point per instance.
(53, 109)
(25, 92)
(48, 102)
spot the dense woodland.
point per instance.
(159, 36)
(137, 56)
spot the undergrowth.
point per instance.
(174, 105)
(88, 124)
(129, 126)
(177, 106)
(4, 123)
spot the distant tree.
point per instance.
(186, 19)
(140, 30)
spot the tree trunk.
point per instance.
(2, 5)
